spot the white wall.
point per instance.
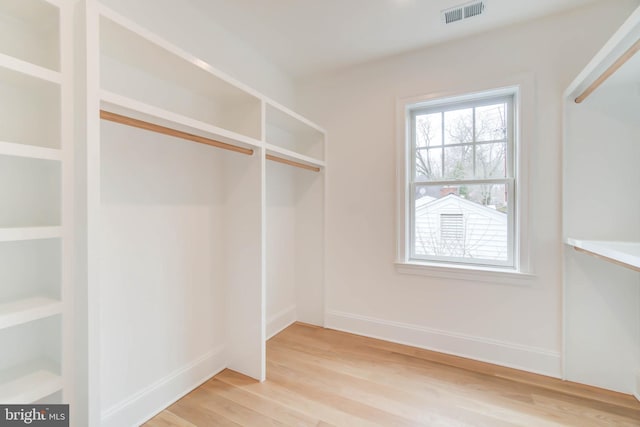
(517, 324)
(162, 288)
(195, 31)
(280, 247)
(294, 246)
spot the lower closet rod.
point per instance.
(292, 163)
(129, 121)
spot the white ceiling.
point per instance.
(303, 37)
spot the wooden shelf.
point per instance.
(27, 310)
(123, 105)
(625, 254)
(28, 383)
(23, 67)
(15, 234)
(29, 151)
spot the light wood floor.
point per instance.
(320, 377)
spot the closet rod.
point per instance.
(609, 71)
(292, 163)
(129, 121)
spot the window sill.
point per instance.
(467, 273)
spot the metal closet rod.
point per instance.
(609, 71)
(141, 124)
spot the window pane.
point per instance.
(458, 162)
(429, 130)
(490, 160)
(491, 123)
(465, 222)
(429, 163)
(458, 126)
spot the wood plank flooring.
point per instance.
(320, 377)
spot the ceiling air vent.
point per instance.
(452, 15)
(463, 11)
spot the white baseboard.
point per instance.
(280, 321)
(146, 403)
(518, 356)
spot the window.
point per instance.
(460, 156)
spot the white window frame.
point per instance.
(523, 89)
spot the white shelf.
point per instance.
(27, 310)
(624, 253)
(28, 383)
(160, 74)
(123, 105)
(292, 155)
(145, 41)
(285, 118)
(15, 234)
(29, 151)
(29, 69)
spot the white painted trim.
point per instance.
(146, 403)
(512, 355)
(621, 40)
(465, 272)
(281, 320)
(524, 110)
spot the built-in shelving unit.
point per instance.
(190, 88)
(601, 217)
(35, 248)
(294, 218)
(193, 217)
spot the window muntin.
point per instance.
(462, 157)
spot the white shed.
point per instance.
(453, 226)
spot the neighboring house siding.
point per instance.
(484, 230)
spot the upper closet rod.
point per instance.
(612, 69)
(129, 121)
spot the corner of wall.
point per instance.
(511, 355)
(281, 320)
(148, 402)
